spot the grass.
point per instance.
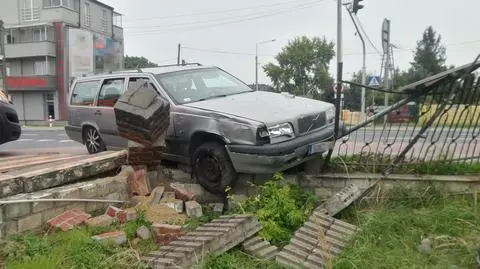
(75, 249)
(371, 163)
(237, 259)
(393, 228)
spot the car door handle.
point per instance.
(97, 113)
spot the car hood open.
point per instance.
(266, 107)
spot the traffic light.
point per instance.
(356, 6)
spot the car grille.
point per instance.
(311, 122)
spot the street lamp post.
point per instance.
(256, 60)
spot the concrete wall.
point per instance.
(18, 218)
(97, 24)
(9, 12)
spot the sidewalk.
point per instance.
(42, 128)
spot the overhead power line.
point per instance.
(228, 22)
(230, 10)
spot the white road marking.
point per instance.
(65, 141)
(29, 134)
(24, 139)
(45, 140)
(62, 134)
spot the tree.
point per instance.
(132, 62)
(303, 68)
(429, 57)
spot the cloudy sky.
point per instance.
(224, 33)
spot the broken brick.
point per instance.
(168, 196)
(138, 182)
(117, 237)
(182, 193)
(193, 209)
(156, 195)
(126, 215)
(160, 228)
(166, 233)
(112, 211)
(175, 204)
(99, 221)
(68, 219)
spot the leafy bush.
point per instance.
(281, 207)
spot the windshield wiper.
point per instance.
(212, 97)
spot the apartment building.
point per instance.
(48, 43)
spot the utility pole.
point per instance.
(4, 57)
(178, 53)
(338, 102)
(256, 60)
(364, 68)
(386, 51)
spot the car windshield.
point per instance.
(200, 84)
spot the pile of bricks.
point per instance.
(316, 244)
(143, 117)
(217, 236)
(180, 199)
(75, 217)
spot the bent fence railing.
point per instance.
(434, 120)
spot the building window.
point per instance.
(104, 21)
(40, 68)
(71, 4)
(39, 35)
(29, 12)
(86, 14)
(52, 3)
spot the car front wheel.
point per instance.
(212, 168)
(93, 141)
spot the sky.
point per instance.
(225, 33)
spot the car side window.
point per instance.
(111, 91)
(135, 82)
(84, 93)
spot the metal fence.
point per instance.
(435, 120)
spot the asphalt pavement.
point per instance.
(43, 139)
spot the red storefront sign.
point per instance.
(26, 82)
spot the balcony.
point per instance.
(31, 83)
(34, 49)
(29, 41)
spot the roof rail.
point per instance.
(181, 64)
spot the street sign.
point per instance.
(385, 35)
(374, 81)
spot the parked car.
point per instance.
(218, 124)
(10, 129)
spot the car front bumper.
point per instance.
(10, 129)
(273, 158)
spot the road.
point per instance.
(37, 139)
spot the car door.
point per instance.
(82, 103)
(110, 91)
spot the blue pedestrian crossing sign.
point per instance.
(374, 81)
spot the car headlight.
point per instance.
(330, 114)
(284, 129)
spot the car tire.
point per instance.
(93, 141)
(213, 169)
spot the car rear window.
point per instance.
(84, 93)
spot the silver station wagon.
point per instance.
(218, 124)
